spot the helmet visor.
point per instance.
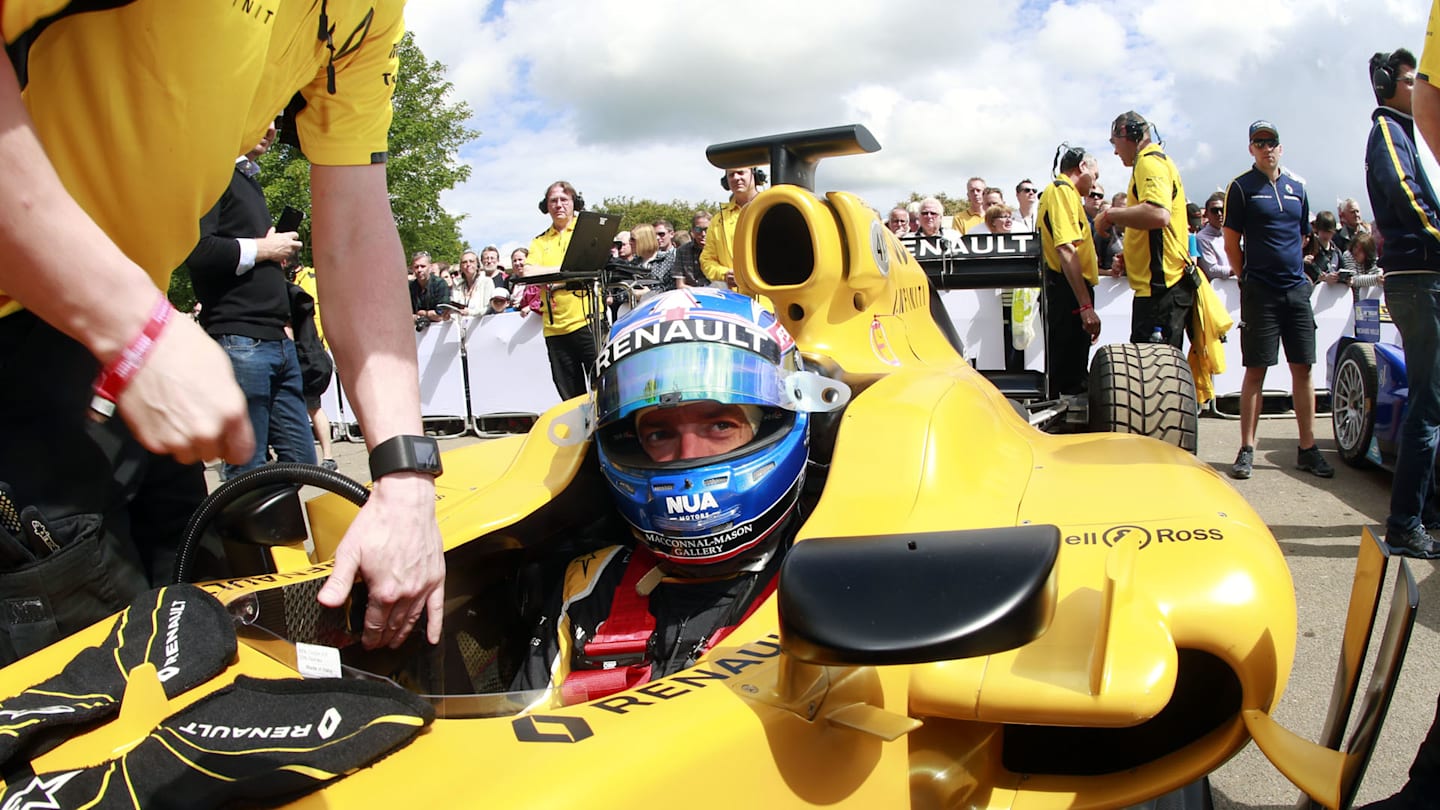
(677, 373)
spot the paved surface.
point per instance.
(1317, 524)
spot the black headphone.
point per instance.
(545, 201)
(1133, 128)
(1067, 157)
(1382, 76)
(757, 173)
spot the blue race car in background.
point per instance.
(1368, 389)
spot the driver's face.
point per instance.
(696, 430)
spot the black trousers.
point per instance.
(572, 360)
(1168, 309)
(52, 457)
(1067, 345)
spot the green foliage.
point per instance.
(425, 139)
(951, 205)
(181, 293)
(633, 212)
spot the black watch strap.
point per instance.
(405, 454)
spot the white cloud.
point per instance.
(622, 99)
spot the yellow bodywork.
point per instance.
(1161, 564)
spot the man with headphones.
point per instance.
(1406, 215)
(1071, 325)
(569, 340)
(1156, 255)
(717, 261)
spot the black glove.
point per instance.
(254, 741)
(182, 630)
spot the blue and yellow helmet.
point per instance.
(717, 515)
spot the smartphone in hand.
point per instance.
(289, 220)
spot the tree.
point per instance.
(425, 139)
(632, 212)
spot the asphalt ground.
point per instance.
(1317, 523)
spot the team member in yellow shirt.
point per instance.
(91, 96)
(717, 260)
(1071, 324)
(569, 339)
(1157, 245)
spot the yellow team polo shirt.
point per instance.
(1164, 251)
(965, 220)
(718, 257)
(564, 312)
(143, 107)
(1061, 218)
(1429, 69)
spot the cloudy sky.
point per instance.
(621, 98)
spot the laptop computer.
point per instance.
(590, 243)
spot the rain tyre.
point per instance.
(1144, 388)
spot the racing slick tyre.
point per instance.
(1352, 402)
(1144, 388)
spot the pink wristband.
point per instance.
(117, 375)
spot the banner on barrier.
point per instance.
(508, 368)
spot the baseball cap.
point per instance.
(1192, 213)
(500, 292)
(1264, 129)
(622, 237)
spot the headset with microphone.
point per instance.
(569, 189)
(757, 173)
(1382, 75)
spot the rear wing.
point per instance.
(979, 261)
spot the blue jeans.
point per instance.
(1414, 302)
(269, 373)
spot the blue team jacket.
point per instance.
(1406, 212)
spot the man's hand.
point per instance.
(277, 247)
(184, 400)
(394, 546)
(1102, 222)
(1091, 322)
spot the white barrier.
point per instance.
(509, 369)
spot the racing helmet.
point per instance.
(717, 515)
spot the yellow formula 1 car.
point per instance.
(966, 619)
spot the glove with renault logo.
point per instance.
(186, 633)
(254, 741)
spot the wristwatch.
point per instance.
(405, 454)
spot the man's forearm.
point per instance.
(360, 271)
(1070, 266)
(1144, 216)
(1234, 253)
(45, 236)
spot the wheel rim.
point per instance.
(1348, 405)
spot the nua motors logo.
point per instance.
(690, 504)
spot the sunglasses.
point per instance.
(699, 229)
(1214, 210)
(1027, 191)
(1265, 143)
(1096, 195)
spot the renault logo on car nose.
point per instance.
(574, 729)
